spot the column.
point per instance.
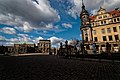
(112, 48)
(100, 48)
(82, 36)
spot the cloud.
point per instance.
(36, 40)
(24, 37)
(2, 38)
(43, 33)
(72, 42)
(9, 42)
(27, 13)
(67, 25)
(55, 40)
(8, 30)
(4, 41)
(91, 5)
(20, 38)
(80, 36)
(50, 27)
(111, 4)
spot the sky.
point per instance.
(56, 20)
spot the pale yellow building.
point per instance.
(44, 46)
(101, 28)
(106, 28)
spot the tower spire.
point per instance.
(83, 6)
(82, 2)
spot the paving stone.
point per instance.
(54, 68)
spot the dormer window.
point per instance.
(114, 20)
(118, 19)
(101, 10)
(113, 14)
(100, 17)
(105, 16)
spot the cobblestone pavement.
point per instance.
(54, 68)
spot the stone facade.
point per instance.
(20, 48)
(44, 46)
(23, 47)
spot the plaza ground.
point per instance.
(56, 68)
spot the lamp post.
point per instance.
(66, 46)
(60, 49)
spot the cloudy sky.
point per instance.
(57, 20)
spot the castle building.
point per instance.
(23, 47)
(101, 28)
(44, 46)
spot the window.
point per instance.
(46, 44)
(108, 30)
(94, 32)
(86, 38)
(101, 22)
(110, 38)
(118, 19)
(95, 39)
(104, 22)
(103, 31)
(113, 14)
(104, 38)
(100, 17)
(114, 29)
(116, 37)
(93, 24)
(105, 16)
(110, 20)
(114, 20)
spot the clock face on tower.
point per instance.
(85, 20)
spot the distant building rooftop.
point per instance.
(44, 40)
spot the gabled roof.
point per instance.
(114, 13)
(93, 17)
(101, 9)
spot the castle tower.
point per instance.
(85, 25)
